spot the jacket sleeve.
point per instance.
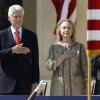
(83, 62)
(4, 52)
(51, 61)
(94, 68)
(35, 60)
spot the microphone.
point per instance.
(34, 93)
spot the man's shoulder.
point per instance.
(4, 30)
(29, 31)
(25, 29)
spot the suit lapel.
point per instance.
(10, 35)
(23, 35)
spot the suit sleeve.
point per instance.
(35, 61)
(94, 67)
(4, 52)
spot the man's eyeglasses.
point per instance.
(17, 17)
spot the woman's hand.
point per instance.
(69, 54)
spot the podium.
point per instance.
(43, 89)
(93, 83)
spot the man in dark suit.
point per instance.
(19, 58)
(96, 74)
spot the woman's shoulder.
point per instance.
(56, 43)
(52, 45)
(78, 43)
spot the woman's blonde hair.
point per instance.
(58, 33)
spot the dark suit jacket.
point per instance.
(96, 73)
(21, 68)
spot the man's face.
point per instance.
(16, 19)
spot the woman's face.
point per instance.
(66, 31)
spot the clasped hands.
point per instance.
(20, 49)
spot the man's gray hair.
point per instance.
(12, 9)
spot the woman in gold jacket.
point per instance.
(67, 59)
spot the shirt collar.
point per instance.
(13, 30)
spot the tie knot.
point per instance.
(17, 31)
